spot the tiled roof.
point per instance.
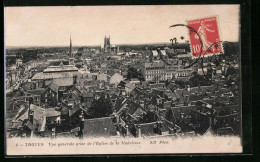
(209, 132)
(87, 94)
(78, 91)
(22, 114)
(86, 105)
(72, 96)
(171, 86)
(99, 127)
(155, 64)
(137, 111)
(40, 115)
(102, 76)
(65, 109)
(130, 85)
(194, 89)
(61, 68)
(29, 125)
(119, 103)
(116, 78)
(42, 75)
(75, 109)
(185, 127)
(124, 73)
(170, 94)
(53, 86)
(134, 107)
(147, 129)
(51, 112)
(59, 83)
(63, 81)
(36, 91)
(135, 79)
(194, 97)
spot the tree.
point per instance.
(181, 83)
(100, 108)
(197, 80)
(133, 73)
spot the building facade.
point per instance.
(160, 71)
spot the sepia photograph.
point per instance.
(146, 79)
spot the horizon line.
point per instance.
(27, 46)
(85, 45)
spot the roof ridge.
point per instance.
(99, 118)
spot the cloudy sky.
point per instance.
(52, 26)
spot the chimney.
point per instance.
(171, 130)
(74, 80)
(159, 127)
(81, 125)
(145, 104)
(32, 133)
(182, 116)
(31, 116)
(211, 122)
(116, 116)
(127, 130)
(188, 88)
(53, 132)
(139, 133)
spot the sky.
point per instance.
(88, 25)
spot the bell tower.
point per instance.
(70, 54)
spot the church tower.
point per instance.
(71, 56)
(107, 45)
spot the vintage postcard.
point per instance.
(88, 80)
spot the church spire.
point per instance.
(70, 47)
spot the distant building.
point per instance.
(54, 72)
(160, 71)
(116, 79)
(154, 71)
(60, 68)
(103, 68)
(19, 62)
(102, 76)
(108, 47)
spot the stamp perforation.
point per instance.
(219, 35)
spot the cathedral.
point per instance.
(108, 47)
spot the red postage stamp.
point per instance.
(209, 37)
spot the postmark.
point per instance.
(214, 49)
(207, 34)
(192, 30)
